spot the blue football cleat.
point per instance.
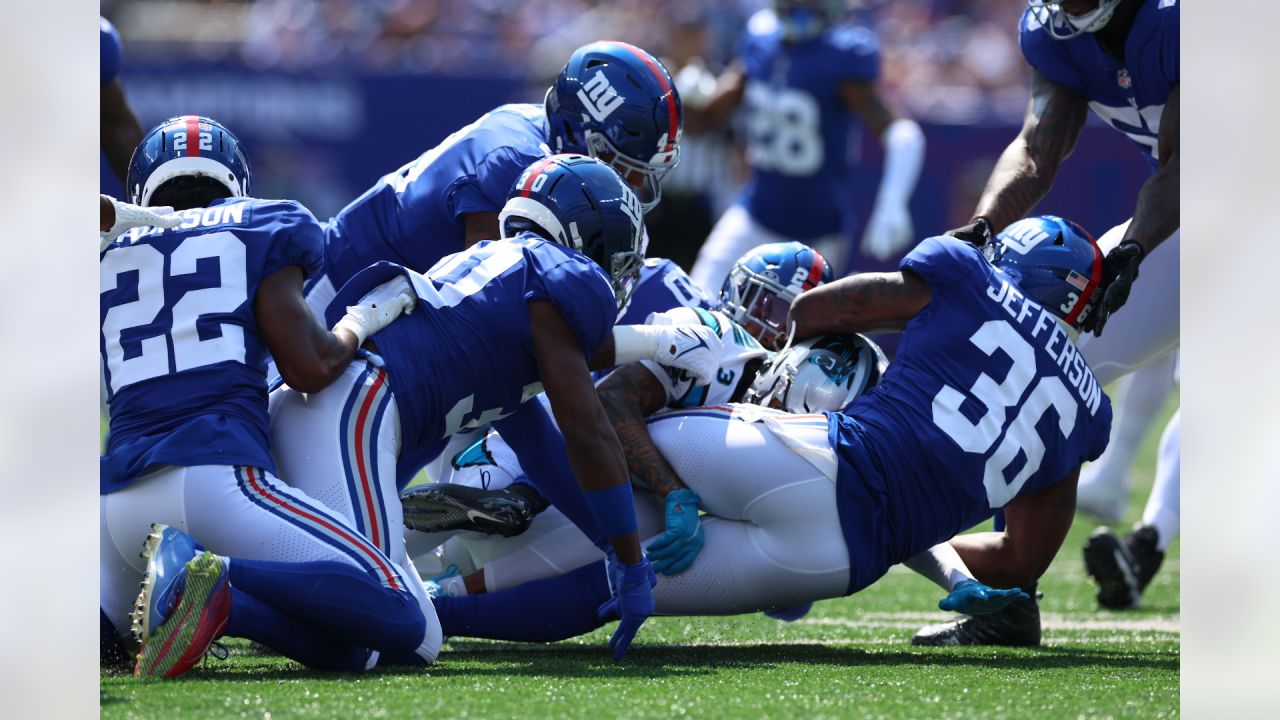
(167, 551)
(790, 614)
(198, 618)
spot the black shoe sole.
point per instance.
(431, 509)
(1108, 564)
(1016, 627)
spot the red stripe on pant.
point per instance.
(369, 552)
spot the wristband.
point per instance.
(635, 342)
(614, 509)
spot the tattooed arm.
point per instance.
(866, 302)
(1024, 173)
(630, 395)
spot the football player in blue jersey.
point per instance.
(119, 130)
(803, 80)
(507, 319)
(612, 101)
(988, 406)
(1119, 58)
(188, 316)
(755, 297)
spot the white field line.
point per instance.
(1167, 624)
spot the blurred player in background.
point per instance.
(1120, 59)
(803, 80)
(188, 316)
(119, 131)
(612, 101)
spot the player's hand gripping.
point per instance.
(632, 601)
(888, 231)
(129, 216)
(378, 308)
(1119, 270)
(976, 233)
(973, 598)
(673, 552)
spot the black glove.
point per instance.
(1119, 270)
(977, 232)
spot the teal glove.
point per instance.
(673, 552)
(973, 598)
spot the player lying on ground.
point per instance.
(758, 293)
(988, 406)
(503, 320)
(612, 101)
(189, 314)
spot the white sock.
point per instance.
(1163, 507)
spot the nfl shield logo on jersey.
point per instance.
(1123, 79)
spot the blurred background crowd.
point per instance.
(944, 60)
(329, 95)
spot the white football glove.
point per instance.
(378, 308)
(888, 231)
(131, 216)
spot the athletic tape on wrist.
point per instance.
(614, 509)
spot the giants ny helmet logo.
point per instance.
(599, 97)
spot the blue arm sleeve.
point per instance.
(540, 448)
(110, 51)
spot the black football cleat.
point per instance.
(1018, 624)
(1122, 568)
(441, 507)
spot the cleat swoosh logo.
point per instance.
(474, 515)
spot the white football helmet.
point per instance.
(824, 373)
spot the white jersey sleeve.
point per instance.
(740, 348)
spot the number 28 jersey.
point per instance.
(464, 357)
(798, 125)
(987, 399)
(182, 359)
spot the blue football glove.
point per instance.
(673, 552)
(632, 601)
(973, 598)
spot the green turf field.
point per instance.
(850, 657)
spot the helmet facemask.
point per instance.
(1062, 25)
(760, 304)
(649, 191)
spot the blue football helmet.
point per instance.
(1054, 262)
(188, 145)
(616, 102)
(1062, 25)
(583, 204)
(762, 284)
(822, 374)
(802, 20)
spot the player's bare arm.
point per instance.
(593, 449)
(1035, 526)
(1157, 216)
(1025, 171)
(865, 302)
(726, 98)
(480, 226)
(106, 213)
(629, 396)
(308, 356)
(119, 131)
